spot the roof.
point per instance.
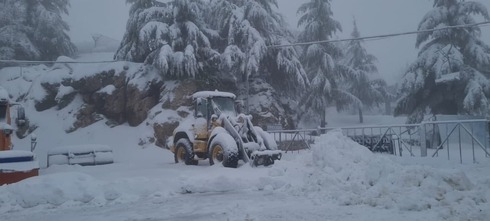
(4, 95)
(208, 94)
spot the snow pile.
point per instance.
(350, 174)
(52, 190)
(72, 189)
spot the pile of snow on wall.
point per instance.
(350, 174)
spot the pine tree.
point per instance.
(363, 83)
(249, 28)
(49, 29)
(321, 60)
(34, 30)
(448, 76)
(14, 41)
(170, 36)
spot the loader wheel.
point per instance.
(223, 149)
(183, 152)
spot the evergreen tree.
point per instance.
(448, 76)
(170, 36)
(249, 28)
(321, 60)
(363, 83)
(14, 41)
(49, 29)
(34, 30)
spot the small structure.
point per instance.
(17, 165)
(84, 155)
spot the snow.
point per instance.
(208, 94)
(336, 180)
(63, 91)
(109, 89)
(79, 149)
(19, 166)
(15, 153)
(4, 126)
(227, 143)
(456, 76)
(4, 95)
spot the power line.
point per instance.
(55, 62)
(371, 38)
(379, 37)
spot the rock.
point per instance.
(92, 84)
(138, 102)
(86, 116)
(163, 131)
(49, 100)
(65, 100)
(182, 95)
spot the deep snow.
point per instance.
(336, 180)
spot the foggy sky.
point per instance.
(374, 17)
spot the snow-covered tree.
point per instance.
(49, 29)
(448, 77)
(364, 82)
(249, 28)
(34, 30)
(170, 36)
(321, 60)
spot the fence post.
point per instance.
(423, 142)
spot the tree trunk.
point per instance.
(361, 117)
(323, 122)
(387, 108)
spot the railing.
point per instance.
(462, 139)
(469, 136)
(294, 140)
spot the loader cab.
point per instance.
(209, 103)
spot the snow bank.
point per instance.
(350, 174)
(50, 190)
(4, 95)
(72, 189)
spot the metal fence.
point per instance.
(462, 140)
(294, 140)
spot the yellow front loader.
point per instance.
(218, 133)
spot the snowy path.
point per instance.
(240, 205)
(336, 180)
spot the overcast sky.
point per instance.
(374, 17)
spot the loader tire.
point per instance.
(183, 152)
(223, 149)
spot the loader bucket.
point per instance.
(264, 158)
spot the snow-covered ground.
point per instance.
(336, 180)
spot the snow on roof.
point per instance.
(19, 166)
(5, 126)
(79, 149)
(207, 94)
(4, 95)
(15, 153)
(449, 77)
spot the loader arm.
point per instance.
(229, 126)
(250, 144)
